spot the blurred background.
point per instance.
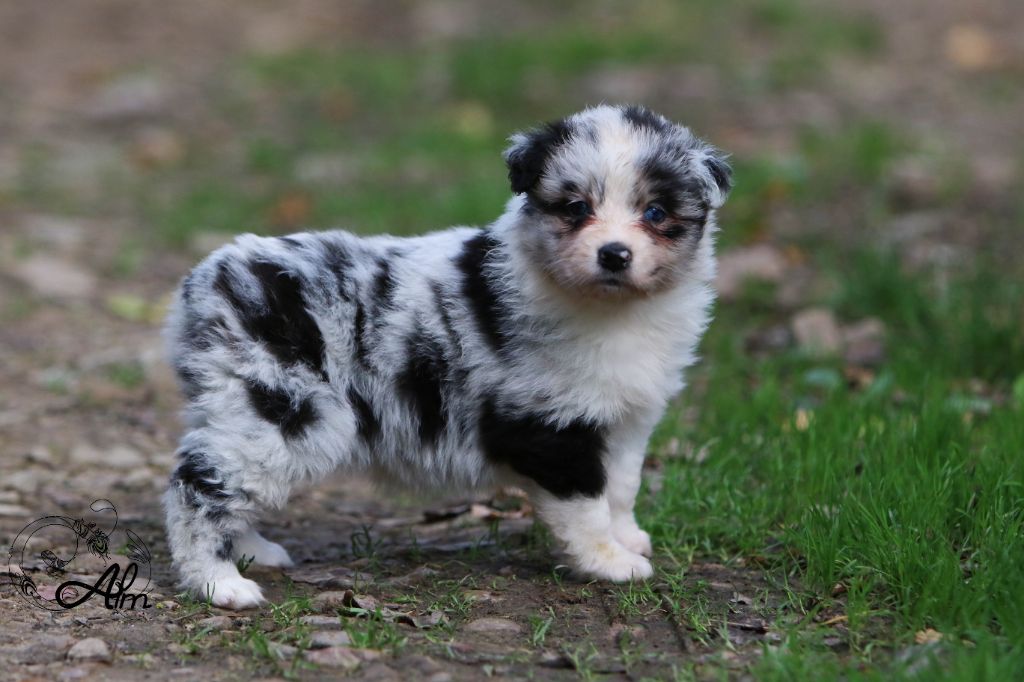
(877, 138)
(877, 149)
(870, 252)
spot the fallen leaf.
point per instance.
(971, 48)
(291, 210)
(928, 636)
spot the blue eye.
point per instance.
(655, 214)
(578, 209)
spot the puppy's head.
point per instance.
(618, 199)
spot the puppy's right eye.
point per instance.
(577, 209)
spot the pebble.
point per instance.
(320, 621)
(13, 510)
(325, 639)
(865, 343)
(817, 332)
(25, 480)
(282, 652)
(126, 98)
(55, 278)
(329, 600)
(493, 625)
(760, 262)
(341, 657)
(90, 649)
(117, 456)
(215, 623)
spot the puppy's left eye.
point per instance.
(577, 209)
(655, 214)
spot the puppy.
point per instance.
(539, 351)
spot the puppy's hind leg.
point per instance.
(206, 516)
(252, 545)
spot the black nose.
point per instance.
(614, 257)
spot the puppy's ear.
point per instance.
(529, 152)
(715, 174)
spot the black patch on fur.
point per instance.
(278, 407)
(678, 229)
(564, 461)
(339, 263)
(383, 285)
(225, 548)
(206, 333)
(283, 324)
(291, 242)
(420, 383)
(479, 291)
(367, 424)
(526, 160)
(216, 513)
(191, 381)
(443, 309)
(721, 171)
(644, 119)
(358, 335)
(199, 481)
(663, 183)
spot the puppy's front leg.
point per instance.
(584, 525)
(624, 464)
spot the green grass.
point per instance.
(910, 493)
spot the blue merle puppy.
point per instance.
(539, 351)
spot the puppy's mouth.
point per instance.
(616, 285)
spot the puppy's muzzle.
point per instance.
(614, 257)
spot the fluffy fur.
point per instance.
(539, 351)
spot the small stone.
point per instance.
(56, 232)
(158, 147)
(13, 510)
(25, 480)
(738, 266)
(320, 621)
(215, 623)
(119, 457)
(972, 47)
(90, 649)
(865, 343)
(329, 600)
(440, 676)
(341, 657)
(55, 278)
(282, 652)
(817, 332)
(494, 626)
(325, 639)
(134, 96)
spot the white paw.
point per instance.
(234, 592)
(634, 539)
(261, 551)
(612, 561)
